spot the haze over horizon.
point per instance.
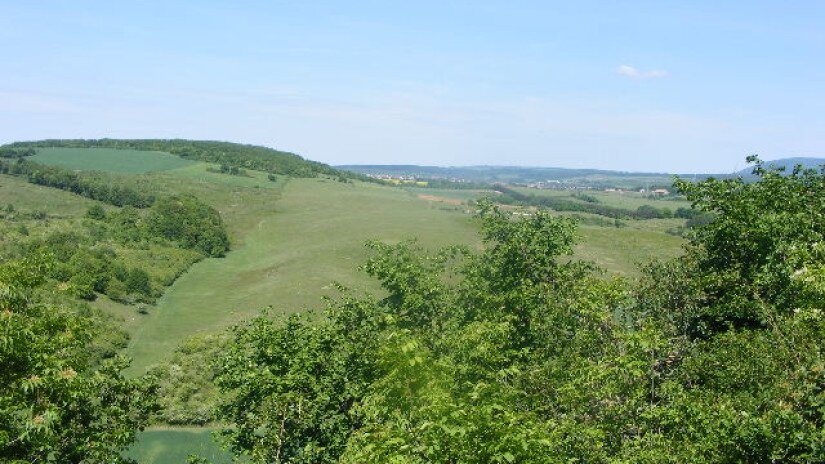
(650, 87)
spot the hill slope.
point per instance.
(232, 154)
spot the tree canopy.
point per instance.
(55, 405)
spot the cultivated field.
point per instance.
(105, 159)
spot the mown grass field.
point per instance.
(104, 159)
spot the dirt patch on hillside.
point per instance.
(449, 201)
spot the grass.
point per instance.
(620, 250)
(200, 172)
(174, 445)
(111, 160)
(298, 243)
(452, 194)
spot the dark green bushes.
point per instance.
(189, 222)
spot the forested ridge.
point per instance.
(224, 153)
(514, 353)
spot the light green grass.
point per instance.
(174, 445)
(296, 247)
(453, 194)
(111, 160)
(620, 250)
(200, 172)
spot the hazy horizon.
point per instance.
(645, 88)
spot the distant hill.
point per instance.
(522, 175)
(232, 154)
(789, 164)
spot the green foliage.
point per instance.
(96, 212)
(186, 389)
(109, 160)
(520, 354)
(188, 221)
(10, 152)
(54, 406)
(137, 281)
(753, 256)
(293, 386)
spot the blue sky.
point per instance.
(652, 86)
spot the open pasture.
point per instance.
(290, 249)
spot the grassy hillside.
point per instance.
(313, 235)
(291, 238)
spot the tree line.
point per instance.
(509, 196)
(89, 185)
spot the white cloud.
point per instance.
(630, 71)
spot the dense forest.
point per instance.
(228, 154)
(515, 353)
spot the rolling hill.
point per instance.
(295, 228)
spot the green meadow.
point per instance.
(174, 445)
(111, 160)
(314, 236)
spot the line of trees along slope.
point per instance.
(179, 218)
(510, 196)
(94, 185)
(226, 153)
(515, 354)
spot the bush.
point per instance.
(137, 281)
(96, 212)
(191, 223)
